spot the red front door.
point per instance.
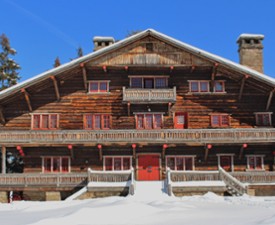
(148, 167)
(180, 120)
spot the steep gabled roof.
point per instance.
(74, 63)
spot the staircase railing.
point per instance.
(238, 187)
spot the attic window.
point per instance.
(149, 47)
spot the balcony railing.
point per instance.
(161, 136)
(138, 95)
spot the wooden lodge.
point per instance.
(148, 107)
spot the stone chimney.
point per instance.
(101, 42)
(251, 51)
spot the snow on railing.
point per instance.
(109, 176)
(192, 175)
(255, 176)
(232, 182)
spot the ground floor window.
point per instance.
(180, 162)
(226, 161)
(117, 163)
(56, 164)
(255, 162)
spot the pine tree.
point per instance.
(56, 62)
(8, 67)
(79, 52)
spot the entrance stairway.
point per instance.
(150, 190)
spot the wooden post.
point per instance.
(100, 151)
(134, 150)
(207, 148)
(241, 151)
(56, 88)
(4, 159)
(27, 98)
(269, 99)
(242, 87)
(84, 73)
(164, 147)
(129, 108)
(2, 117)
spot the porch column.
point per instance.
(3, 159)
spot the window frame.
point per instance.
(231, 159)
(99, 91)
(41, 117)
(220, 120)
(93, 122)
(113, 157)
(222, 85)
(144, 121)
(199, 85)
(61, 167)
(254, 168)
(144, 77)
(184, 157)
(257, 119)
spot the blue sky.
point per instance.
(42, 30)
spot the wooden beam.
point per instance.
(2, 117)
(193, 68)
(4, 159)
(129, 108)
(269, 99)
(84, 74)
(242, 150)
(214, 71)
(56, 88)
(27, 98)
(104, 68)
(242, 87)
(207, 148)
(100, 152)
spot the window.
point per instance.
(263, 119)
(45, 121)
(97, 121)
(99, 86)
(226, 161)
(220, 120)
(149, 82)
(149, 121)
(180, 120)
(255, 162)
(180, 162)
(117, 163)
(199, 86)
(56, 164)
(219, 86)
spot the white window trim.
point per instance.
(261, 113)
(108, 87)
(181, 156)
(41, 121)
(116, 156)
(146, 113)
(223, 85)
(199, 91)
(254, 156)
(150, 77)
(60, 157)
(226, 154)
(214, 92)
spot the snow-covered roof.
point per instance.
(72, 64)
(249, 36)
(100, 38)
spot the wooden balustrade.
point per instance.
(149, 95)
(181, 176)
(255, 176)
(109, 176)
(153, 136)
(19, 180)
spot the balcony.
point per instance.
(191, 136)
(141, 96)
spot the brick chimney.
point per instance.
(251, 51)
(101, 42)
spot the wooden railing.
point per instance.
(181, 176)
(248, 135)
(23, 180)
(255, 177)
(140, 95)
(234, 185)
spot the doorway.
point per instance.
(148, 167)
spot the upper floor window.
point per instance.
(56, 164)
(148, 82)
(149, 121)
(219, 86)
(199, 86)
(97, 121)
(219, 120)
(263, 118)
(180, 162)
(45, 121)
(99, 86)
(117, 163)
(255, 162)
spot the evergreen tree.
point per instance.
(8, 67)
(56, 62)
(79, 52)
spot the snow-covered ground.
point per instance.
(144, 208)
